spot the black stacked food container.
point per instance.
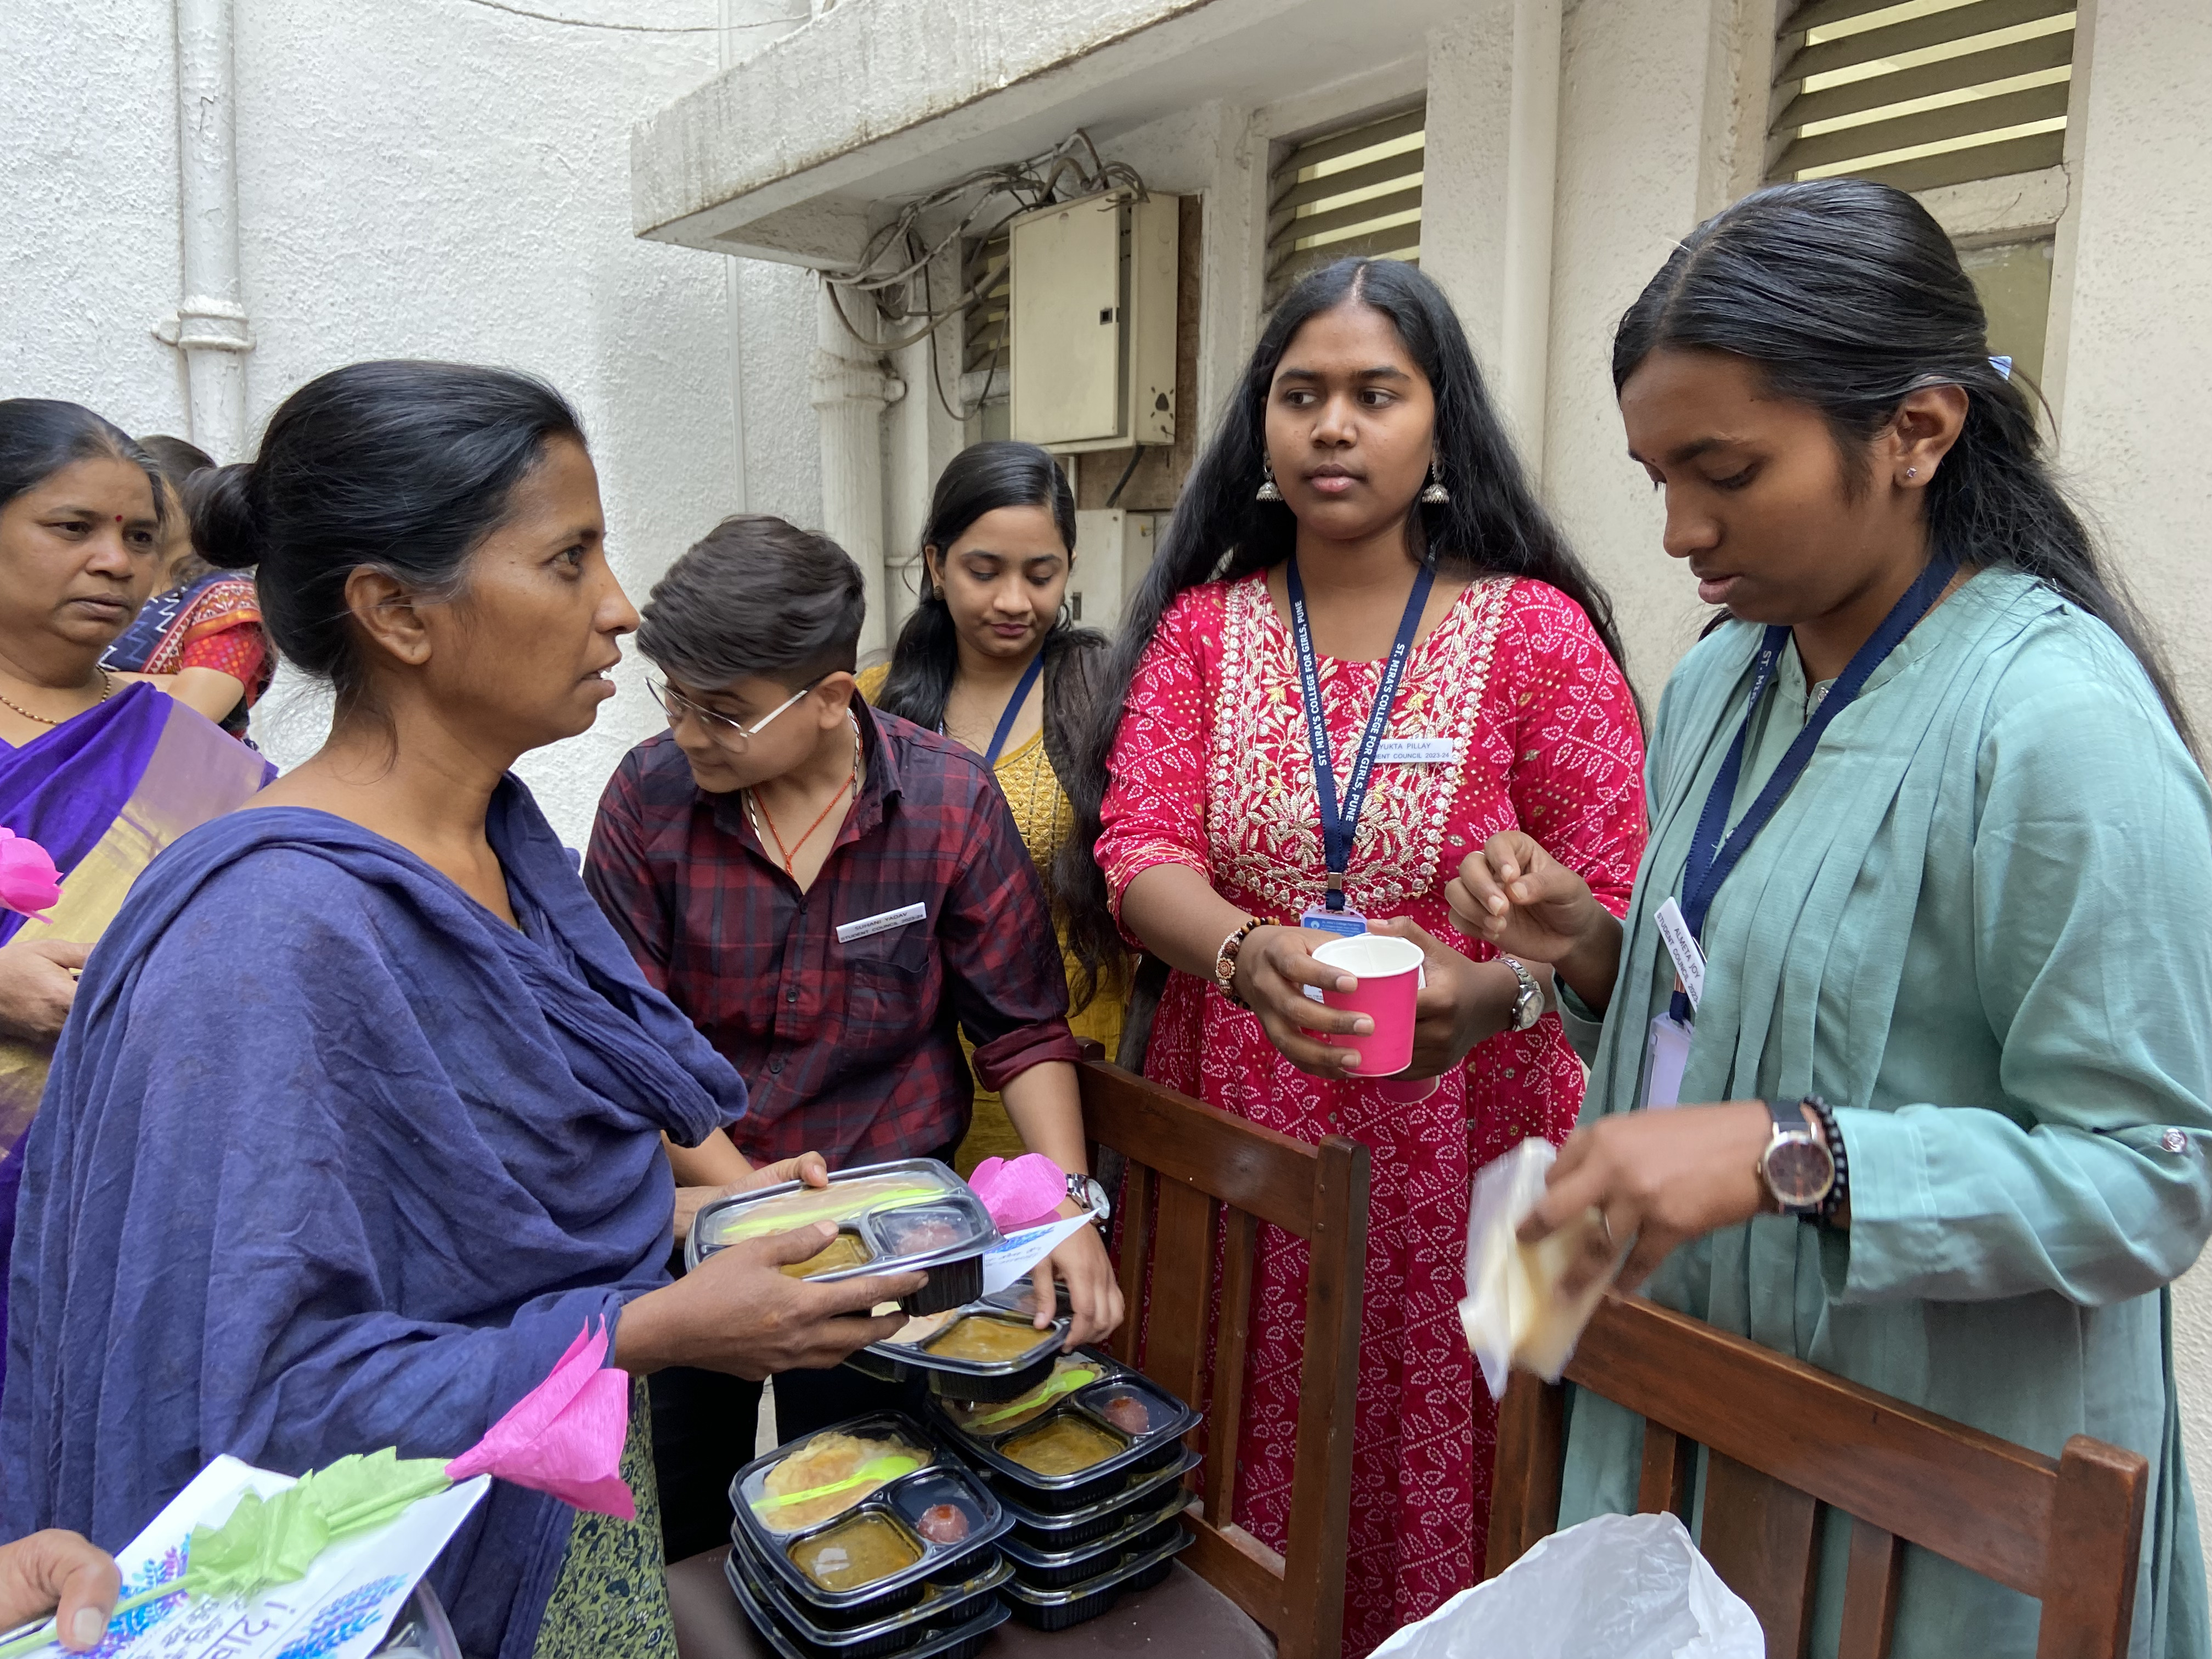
(890, 1218)
(989, 1349)
(1088, 1467)
(865, 1539)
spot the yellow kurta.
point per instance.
(1046, 818)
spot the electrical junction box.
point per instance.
(1113, 549)
(1092, 323)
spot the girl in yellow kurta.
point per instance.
(990, 660)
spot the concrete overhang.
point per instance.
(785, 155)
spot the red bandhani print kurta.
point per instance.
(1211, 769)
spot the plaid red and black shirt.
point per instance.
(849, 1048)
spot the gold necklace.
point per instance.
(106, 691)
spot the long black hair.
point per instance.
(1493, 525)
(40, 436)
(402, 467)
(1848, 296)
(983, 478)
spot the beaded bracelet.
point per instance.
(1839, 1194)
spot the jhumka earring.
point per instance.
(1436, 495)
(1267, 492)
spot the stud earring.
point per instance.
(1267, 492)
(1911, 472)
(1436, 495)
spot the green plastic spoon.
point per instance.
(878, 1469)
(1058, 1383)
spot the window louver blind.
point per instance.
(989, 263)
(1921, 94)
(1352, 193)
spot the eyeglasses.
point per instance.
(732, 735)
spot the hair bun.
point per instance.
(226, 530)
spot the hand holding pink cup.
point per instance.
(1390, 977)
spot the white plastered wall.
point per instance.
(420, 178)
(2136, 419)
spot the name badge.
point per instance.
(1682, 945)
(868, 925)
(1665, 1059)
(1415, 752)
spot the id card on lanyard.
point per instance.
(1339, 826)
(1714, 850)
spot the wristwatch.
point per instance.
(1798, 1169)
(1529, 1003)
(1087, 1192)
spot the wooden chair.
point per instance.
(1783, 1438)
(1197, 1184)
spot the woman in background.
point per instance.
(199, 637)
(1361, 471)
(101, 773)
(991, 659)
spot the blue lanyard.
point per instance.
(1337, 829)
(1711, 858)
(1013, 710)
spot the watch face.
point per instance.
(1800, 1170)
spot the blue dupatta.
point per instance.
(366, 1197)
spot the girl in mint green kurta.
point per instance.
(1977, 926)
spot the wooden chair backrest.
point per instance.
(1783, 1438)
(1198, 1184)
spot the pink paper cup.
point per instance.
(1388, 969)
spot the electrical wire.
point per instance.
(1136, 454)
(1031, 185)
(629, 29)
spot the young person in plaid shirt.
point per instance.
(833, 894)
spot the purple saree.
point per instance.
(102, 793)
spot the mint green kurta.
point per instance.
(1981, 927)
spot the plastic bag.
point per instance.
(1626, 1586)
(1513, 1313)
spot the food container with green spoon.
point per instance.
(854, 1519)
(890, 1218)
(1072, 1440)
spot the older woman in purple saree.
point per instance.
(99, 773)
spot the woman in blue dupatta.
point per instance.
(1923, 906)
(370, 1195)
(101, 774)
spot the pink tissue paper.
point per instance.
(29, 881)
(1021, 1193)
(565, 1436)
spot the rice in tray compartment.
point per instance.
(919, 1329)
(1062, 1445)
(840, 1202)
(857, 1553)
(825, 1477)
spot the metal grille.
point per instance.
(990, 263)
(1921, 94)
(1353, 193)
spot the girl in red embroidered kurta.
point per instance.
(1512, 711)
